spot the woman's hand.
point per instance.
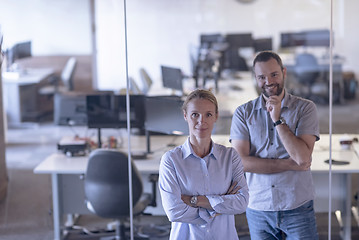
(186, 199)
(233, 189)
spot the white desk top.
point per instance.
(60, 163)
(321, 153)
(28, 76)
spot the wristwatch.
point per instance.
(279, 122)
(194, 201)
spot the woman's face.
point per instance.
(200, 116)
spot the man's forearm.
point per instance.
(299, 149)
(269, 166)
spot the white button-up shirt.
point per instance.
(183, 172)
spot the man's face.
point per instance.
(270, 77)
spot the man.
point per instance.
(275, 134)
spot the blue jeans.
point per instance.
(296, 224)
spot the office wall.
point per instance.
(55, 27)
(162, 31)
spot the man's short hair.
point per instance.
(266, 56)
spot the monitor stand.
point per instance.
(99, 143)
(148, 135)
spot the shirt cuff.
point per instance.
(206, 215)
(215, 200)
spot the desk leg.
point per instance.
(347, 209)
(56, 206)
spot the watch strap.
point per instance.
(279, 122)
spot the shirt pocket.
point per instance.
(257, 129)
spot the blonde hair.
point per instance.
(200, 94)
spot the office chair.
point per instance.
(234, 61)
(146, 80)
(306, 71)
(134, 88)
(66, 79)
(107, 192)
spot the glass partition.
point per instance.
(214, 42)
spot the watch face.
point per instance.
(194, 200)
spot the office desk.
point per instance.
(67, 177)
(20, 93)
(68, 191)
(341, 179)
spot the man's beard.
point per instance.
(270, 93)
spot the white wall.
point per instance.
(53, 26)
(162, 31)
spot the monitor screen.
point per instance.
(292, 39)
(239, 40)
(317, 38)
(70, 109)
(310, 38)
(109, 111)
(164, 115)
(263, 44)
(19, 50)
(209, 39)
(172, 78)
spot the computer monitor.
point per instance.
(109, 111)
(172, 78)
(317, 38)
(70, 109)
(263, 44)
(292, 39)
(209, 39)
(239, 40)
(309, 38)
(164, 115)
(19, 50)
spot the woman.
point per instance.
(202, 183)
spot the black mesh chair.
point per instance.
(107, 188)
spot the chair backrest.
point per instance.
(146, 80)
(68, 73)
(306, 59)
(134, 87)
(306, 68)
(107, 185)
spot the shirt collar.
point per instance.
(187, 150)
